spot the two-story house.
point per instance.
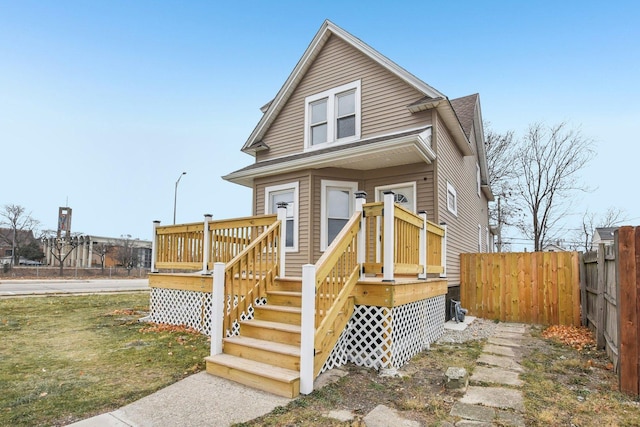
(348, 119)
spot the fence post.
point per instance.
(423, 245)
(217, 308)
(388, 257)
(154, 247)
(583, 290)
(443, 252)
(307, 328)
(282, 217)
(600, 326)
(206, 250)
(360, 200)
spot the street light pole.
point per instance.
(175, 197)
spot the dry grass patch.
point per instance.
(67, 358)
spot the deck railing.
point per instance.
(197, 246)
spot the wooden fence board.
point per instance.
(628, 308)
(531, 287)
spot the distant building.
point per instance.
(84, 251)
(603, 235)
(22, 238)
(551, 247)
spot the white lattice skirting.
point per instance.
(178, 307)
(387, 338)
(375, 337)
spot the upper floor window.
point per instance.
(333, 116)
(452, 199)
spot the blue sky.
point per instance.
(105, 103)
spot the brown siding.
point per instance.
(384, 98)
(462, 230)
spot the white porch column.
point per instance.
(154, 247)
(282, 217)
(444, 250)
(307, 328)
(389, 237)
(206, 250)
(423, 245)
(361, 198)
(217, 309)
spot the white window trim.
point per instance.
(479, 238)
(267, 202)
(452, 190)
(486, 232)
(393, 187)
(331, 116)
(346, 185)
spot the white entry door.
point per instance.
(405, 194)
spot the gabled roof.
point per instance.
(606, 233)
(465, 108)
(328, 29)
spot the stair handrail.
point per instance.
(330, 283)
(243, 281)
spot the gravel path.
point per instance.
(477, 330)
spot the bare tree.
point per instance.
(502, 150)
(21, 225)
(125, 253)
(102, 249)
(549, 161)
(61, 248)
(612, 217)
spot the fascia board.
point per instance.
(420, 141)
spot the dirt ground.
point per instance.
(563, 387)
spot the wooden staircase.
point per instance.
(266, 354)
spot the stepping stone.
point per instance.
(473, 412)
(499, 350)
(383, 416)
(511, 327)
(496, 376)
(496, 397)
(504, 342)
(456, 378)
(507, 335)
(508, 418)
(500, 361)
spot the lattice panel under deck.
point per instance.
(178, 307)
(383, 338)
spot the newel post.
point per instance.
(154, 246)
(206, 250)
(217, 308)
(388, 257)
(282, 217)
(424, 241)
(443, 251)
(307, 328)
(361, 198)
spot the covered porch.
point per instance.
(375, 297)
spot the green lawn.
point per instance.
(63, 359)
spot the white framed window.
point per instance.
(486, 232)
(478, 178)
(332, 116)
(287, 193)
(337, 203)
(452, 199)
(479, 238)
(404, 194)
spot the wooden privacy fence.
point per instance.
(528, 287)
(599, 298)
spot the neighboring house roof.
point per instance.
(604, 234)
(328, 29)
(6, 236)
(552, 248)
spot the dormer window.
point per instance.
(333, 116)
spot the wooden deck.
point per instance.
(368, 291)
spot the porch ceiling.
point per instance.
(371, 154)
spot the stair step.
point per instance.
(274, 379)
(285, 298)
(274, 353)
(278, 313)
(271, 331)
(293, 284)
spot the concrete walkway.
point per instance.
(494, 396)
